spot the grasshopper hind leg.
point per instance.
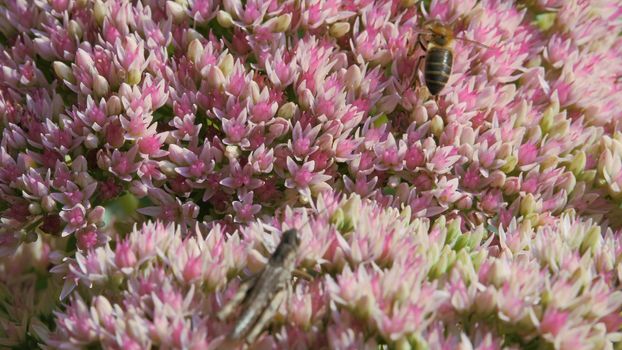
(267, 314)
(240, 295)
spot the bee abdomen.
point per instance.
(438, 62)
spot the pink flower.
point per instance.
(124, 257)
(553, 321)
(245, 209)
(303, 177)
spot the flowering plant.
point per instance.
(153, 152)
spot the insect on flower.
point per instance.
(440, 56)
(261, 295)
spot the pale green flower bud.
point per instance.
(339, 29)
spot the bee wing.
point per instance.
(237, 299)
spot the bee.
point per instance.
(261, 295)
(439, 57)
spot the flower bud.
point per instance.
(549, 162)
(577, 164)
(91, 141)
(96, 215)
(74, 29)
(100, 11)
(103, 160)
(287, 111)
(138, 189)
(500, 272)
(176, 11)
(552, 110)
(232, 152)
(306, 100)
(403, 344)
(527, 205)
(224, 19)
(419, 115)
(195, 51)
(510, 164)
(511, 185)
(437, 125)
(497, 179)
(63, 71)
(388, 103)
(568, 183)
(339, 29)
(114, 106)
(168, 168)
(226, 65)
(393, 181)
(34, 208)
(125, 256)
(486, 301)
(215, 78)
(29, 237)
(588, 176)
(48, 204)
(591, 239)
(443, 263)
(364, 307)
(191, 34)
(84, 179)
(133, 77)
(282, 23)
(353, 77)
(100, 85)
(193, 269)
(464, 203)
(102, 307)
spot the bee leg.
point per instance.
(419, 69)
(267, 314)
(420, 42)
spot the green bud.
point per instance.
(402, 344)
(510, 164)
(577, 164)
(546, 122)
(224, 19)
(478, 258)
(462, 242)
(133, 77)
(363, 307)
(560, 127)
(418, 342)
(591, 240)
(588, 176)
(527, 205)
(475, 237)
(453, 233)
(437, 125)
(339, 29)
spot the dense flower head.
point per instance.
(494, 205)
(554, 285)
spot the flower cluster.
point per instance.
(554, 285)
(214, 116)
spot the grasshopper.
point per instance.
(261, 295)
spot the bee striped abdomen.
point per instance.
(438, 64)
